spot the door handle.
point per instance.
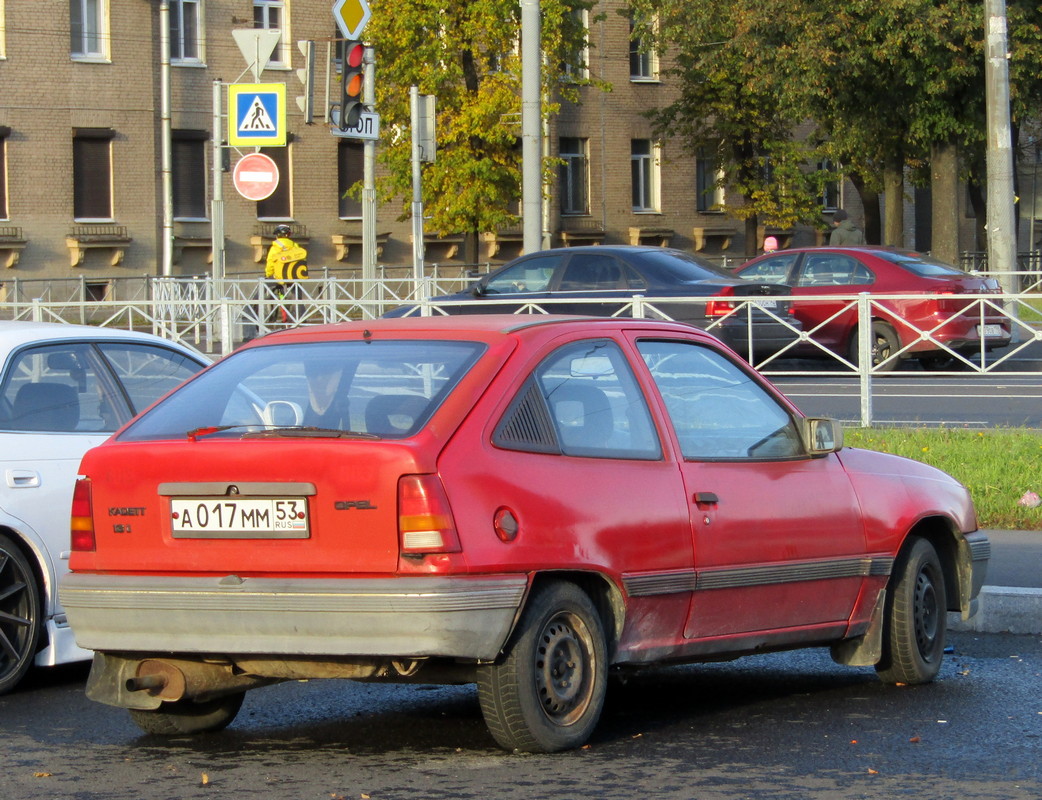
(23, 478)
(705, 498)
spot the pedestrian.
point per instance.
(844, 231)
(287, 264)
(770, 245)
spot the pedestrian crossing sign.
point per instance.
(257, 114)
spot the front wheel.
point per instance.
(547, 692)
(19, 615)
(915, 618)
(185, 717)
(885, 343)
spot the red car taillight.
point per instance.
(425, 523)
(82, 524)
(720, 308)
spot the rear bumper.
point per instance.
(463, 617)
(767, 336)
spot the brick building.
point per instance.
(81, 149)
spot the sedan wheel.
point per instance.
(915, 621)
(885, 343)
(548, 691)
(19, 615)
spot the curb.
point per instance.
(1003, 609)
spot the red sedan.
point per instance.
(520, 502)
(938, 326)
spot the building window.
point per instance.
(643, 59)
(350, 163)
(577, 65)
(279, 205)
(189, 174)
(271, 15)
(644, 163)
(92, 174)
(830, 188)
(709, 183)
(575, 192)
(89, 28)
(185, 31)
(3, 31)
(4, 133)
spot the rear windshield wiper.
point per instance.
(292, 432)
(307, 432)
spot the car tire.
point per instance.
(942, 362)
(19, 615)
(547, 691)
(885, 342)
(187, 716)
(915, 617)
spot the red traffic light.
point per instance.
(351, 80)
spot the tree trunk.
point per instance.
(470, 248)
(894, 190)
(752, 236)
(944, 190)
(870, 207)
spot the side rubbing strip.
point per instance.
(673, 582)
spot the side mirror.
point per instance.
(821, 435)
(478, 289)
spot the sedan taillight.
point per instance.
(721, 308)
(425, 523)
(82, 524)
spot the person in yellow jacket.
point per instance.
(287, 264)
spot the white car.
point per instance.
(63, 389)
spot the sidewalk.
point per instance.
(1011, 600)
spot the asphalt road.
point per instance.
(923, 398)
(780, 726)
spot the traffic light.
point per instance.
(305, 102)
(351, 80)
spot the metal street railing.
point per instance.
(188, 310)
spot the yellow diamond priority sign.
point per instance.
(351, 17)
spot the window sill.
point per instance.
(90, 59)
(98, 236)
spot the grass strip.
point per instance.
(997, 465)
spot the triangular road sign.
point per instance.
(256, 46)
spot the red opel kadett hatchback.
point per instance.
(520, 502)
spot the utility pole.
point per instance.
(1002, 248)
(369, 179)
(531, 132)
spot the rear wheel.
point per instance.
(885, 343)
(915, 620)
(187, 716)
(548, 691)
(19, 615)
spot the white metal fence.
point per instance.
(217, 318)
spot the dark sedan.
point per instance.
(578, 280)
(934, 321)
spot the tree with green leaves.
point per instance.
(881, 86)
(724, 56)
(467, 55)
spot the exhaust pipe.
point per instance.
(192, 680)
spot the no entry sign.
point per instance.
(256, 176)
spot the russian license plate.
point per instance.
(239, 518)
(766, 303)
(988, 331)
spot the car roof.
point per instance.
(478, 323)
(14, 333)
